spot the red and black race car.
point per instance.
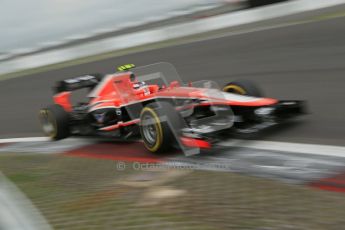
(152, 103)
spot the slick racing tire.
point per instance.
(54, 120)
(243, 87)
(160, 125)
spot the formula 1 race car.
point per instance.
(151, 102)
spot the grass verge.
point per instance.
(80, 193)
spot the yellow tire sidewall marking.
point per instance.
(49, 116)
(235, 88)
(158, 126)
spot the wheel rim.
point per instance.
(150, 130)
(48, 123)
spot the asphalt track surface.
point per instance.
(303, 61)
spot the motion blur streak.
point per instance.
(81, 17)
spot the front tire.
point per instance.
(160, 123)
(243, 87)
(54, 120)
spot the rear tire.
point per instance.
(160, 124)
(54, 120)
(243, 87)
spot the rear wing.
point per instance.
(86, 81)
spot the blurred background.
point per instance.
(36, 24)
(40, 22)
(291, 177)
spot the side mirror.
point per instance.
(174, 84)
